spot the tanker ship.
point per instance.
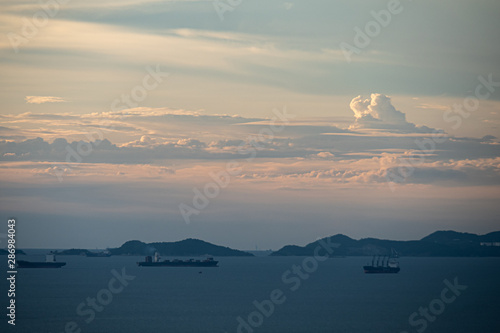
(50, 262)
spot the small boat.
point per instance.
(383, 264)
(155, 262)
(50, 262)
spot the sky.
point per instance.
(249, 124)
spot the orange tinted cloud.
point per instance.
(43, 99)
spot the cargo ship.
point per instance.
(50, 262)
(156, 262)
(383, 264)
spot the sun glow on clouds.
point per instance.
(378, 139)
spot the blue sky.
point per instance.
(396, 140)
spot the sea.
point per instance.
(255, 294)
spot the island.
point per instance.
(438, 244)
(188, 247)
(72, 252)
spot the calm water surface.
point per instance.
(335, 297)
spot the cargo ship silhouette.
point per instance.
(155, 262)
(383, 264)
(50, 262)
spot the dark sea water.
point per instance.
(336, 296)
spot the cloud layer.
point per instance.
(375, 146)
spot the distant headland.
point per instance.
(187, 247)
(437, 244)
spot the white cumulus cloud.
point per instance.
(377, 112)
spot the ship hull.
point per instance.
(178, 264)
(30, 264)
(380, 270)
